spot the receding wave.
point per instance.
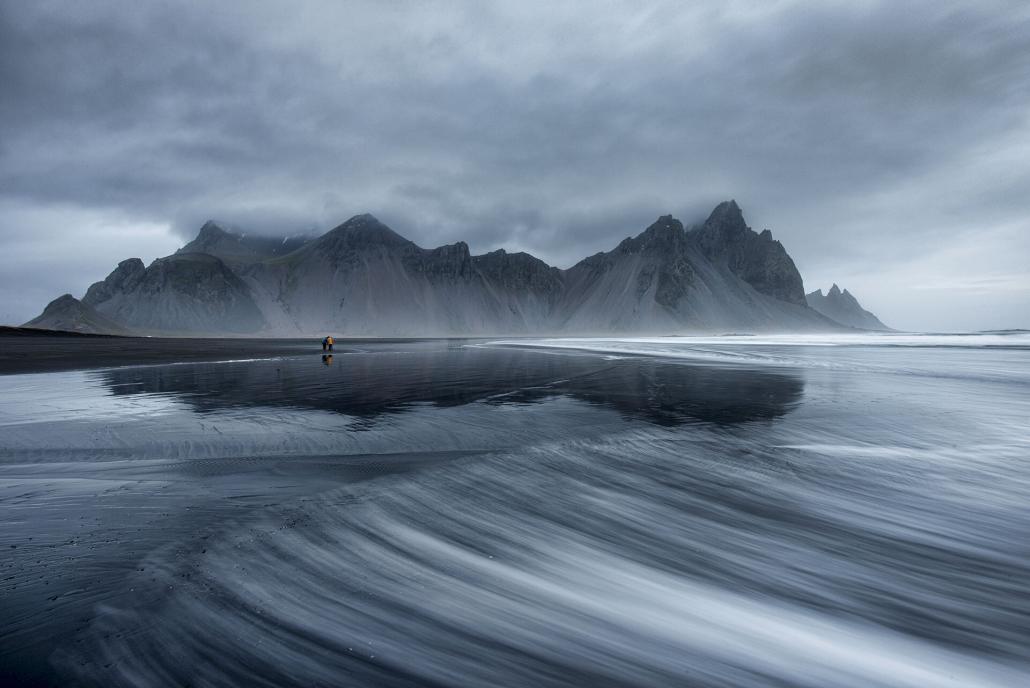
(574, 564)
(874, 353)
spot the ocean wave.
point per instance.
(955, 355)
(574, 564)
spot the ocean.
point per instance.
(816, 511)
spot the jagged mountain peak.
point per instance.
(364, 229)
(214, 232)
(124, 277)
(364, 221)
(726, 218)
(666, 234)
(133, 264)
(519, 273)
(665, 224)
(724, 230)
(517, 256)
(841, 306)
(500, 261)
(217, 239)
(213, 227)
(188, 256)
(62, 301)
(756, 258)
(68, 314)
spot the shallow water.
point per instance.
(670, 511)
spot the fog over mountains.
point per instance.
(364, 279)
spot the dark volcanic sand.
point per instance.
(444, 513)
(25, 351)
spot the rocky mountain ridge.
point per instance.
(844, 308)
(363, 279)
(68, 314)
(217, 240)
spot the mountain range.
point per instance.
(364, 279)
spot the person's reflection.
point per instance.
(327, 359)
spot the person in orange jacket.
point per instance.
(329, 342)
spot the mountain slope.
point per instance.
(841, 306)
(669, 279)
(183, 293)
(68, 314)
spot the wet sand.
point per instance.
(27, 351)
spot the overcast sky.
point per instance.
(887, 144)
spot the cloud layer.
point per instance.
(887, 144)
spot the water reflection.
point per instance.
(392, 379)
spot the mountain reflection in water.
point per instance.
(370, 384)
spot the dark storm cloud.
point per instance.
(866, 135)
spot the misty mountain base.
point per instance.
(364, 279)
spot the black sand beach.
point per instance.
(23, 350)
(722, 512)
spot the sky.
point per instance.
(886, 144)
